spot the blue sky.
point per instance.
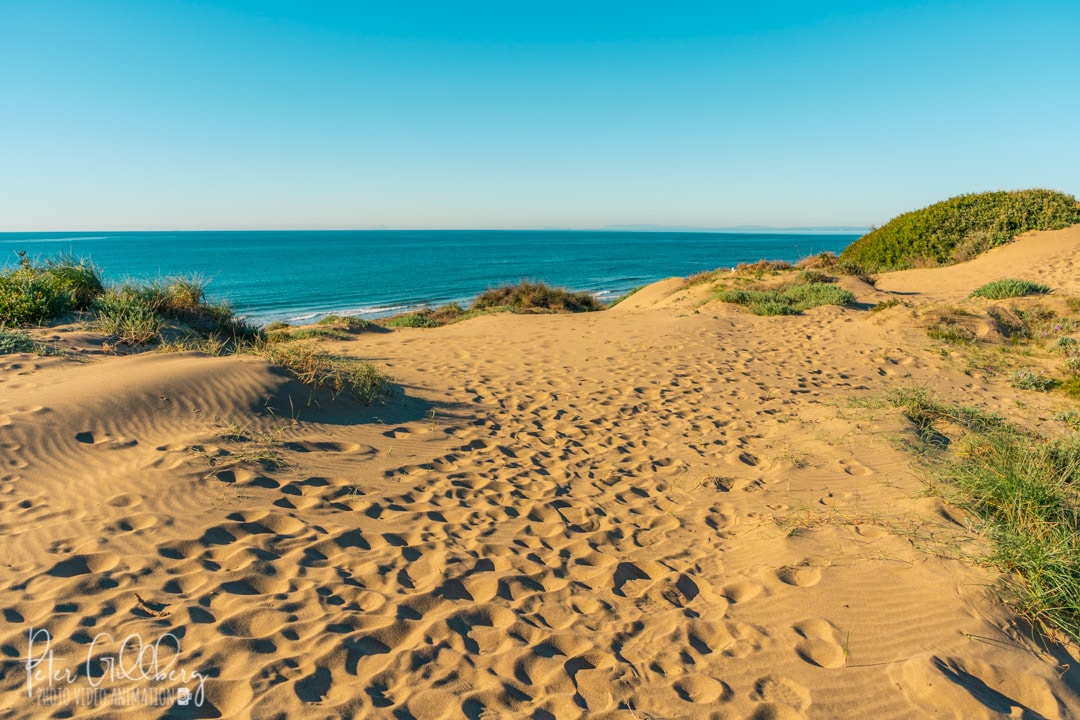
(147, 114)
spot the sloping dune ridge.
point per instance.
(666, 510)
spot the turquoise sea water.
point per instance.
(300, 275)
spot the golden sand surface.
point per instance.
(665, 510)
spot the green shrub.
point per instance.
(1030, 380)
(536, 297)
(34, 294)
(418, 319)
(960, 228)
(814, 276)
(14, 341)
(352, 324)
(1009, 288)
(128, 313)
(857, 270)
(789, 300)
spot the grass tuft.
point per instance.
(526, 297)
(1009, 288)
(1031, 380)
(32, 294)
(789, 300)
(359, 379)
(1024, 489)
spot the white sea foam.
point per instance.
(353, 312)
(61, 239)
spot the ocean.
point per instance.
(299, 276)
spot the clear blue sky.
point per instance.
(154, 114)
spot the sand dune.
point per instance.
(669, 510)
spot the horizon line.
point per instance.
(636, 228)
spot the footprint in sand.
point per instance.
(327, 446)
(741, 591)
(819, 645)
(776, 691)
(702, 689)
(804, 575)
(856, 468)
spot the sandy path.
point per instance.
(646, 513)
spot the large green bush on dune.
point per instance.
(960, 228)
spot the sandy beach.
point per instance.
(669, 509)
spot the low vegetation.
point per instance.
(173, 315)
(339, 374)
(960, 228)
(624, 296)
(32, 294)
(1023, 488)
(1009, 288)
(790, 299)
(1029, 342)
(523, 298)
(15, 341)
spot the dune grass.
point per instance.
(1009, 288)
(523, 298)
(174, 315)
(960, 228)
(1025, 490)
(526, 297)
(32, 294)
(624, 296)
(788, 300)
(339, 374)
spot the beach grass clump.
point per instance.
(760, 268)
(127, 312)
(787, 300)
(1025, 490)
(417, 319)
(138, 313)
(32, 294)
(346, 322)
(1071, 366)
(1032, 380)
(960, 228)
(951, 333)
(528, 297)
(16, 341)
(887, 304)
(631, 292)
(1009, 288)
(523, 298)
(928, 414)
(284, 334)
(338, 374)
